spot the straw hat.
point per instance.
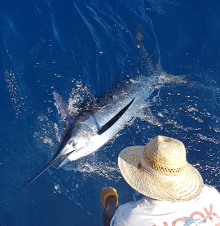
(160, 170)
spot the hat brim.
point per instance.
(187, 188)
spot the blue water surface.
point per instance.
(81, 49)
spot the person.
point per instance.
(173, 189)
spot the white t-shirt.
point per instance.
(204, 210)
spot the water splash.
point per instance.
(12, 86)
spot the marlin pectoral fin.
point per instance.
(59, 159)
(112, 121)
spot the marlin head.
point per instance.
(86, 135)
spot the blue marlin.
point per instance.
(106, 116)
(100, 122)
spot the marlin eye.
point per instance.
(71, 142)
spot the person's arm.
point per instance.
(109, 210)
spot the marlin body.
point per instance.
(105, 116)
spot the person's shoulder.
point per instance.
(142, 204)
(208, 188)
(210, 191)
(132, 204)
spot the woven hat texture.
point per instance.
(166, 157)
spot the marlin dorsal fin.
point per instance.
(113, 120)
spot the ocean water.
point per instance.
(81, 49)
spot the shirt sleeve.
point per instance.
(115, 221)
(126, 214)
